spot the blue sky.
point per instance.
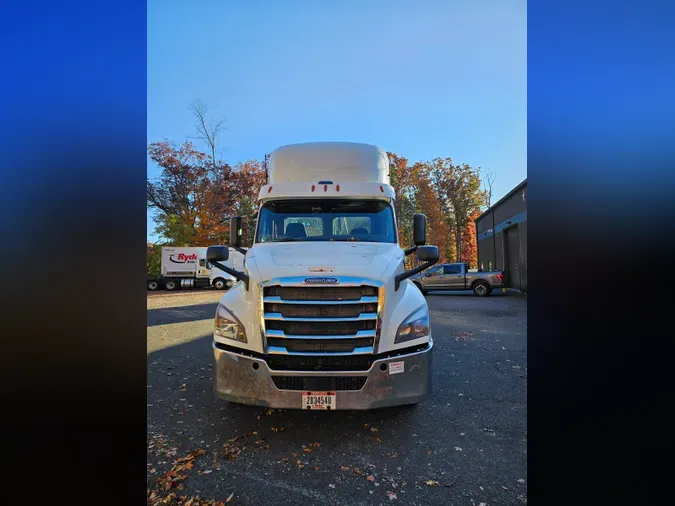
(444, 78)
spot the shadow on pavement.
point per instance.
(181, 314)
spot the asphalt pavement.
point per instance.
(467, 444)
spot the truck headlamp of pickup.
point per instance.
(227, 326)
(414, 327)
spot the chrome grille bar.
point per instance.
(280, 350)
(279, 300)
(362, 317)
(280, 334)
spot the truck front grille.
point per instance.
(321, 320)
(312, 383)
(319, 362)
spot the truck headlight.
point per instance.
(414, 327)
(227, 326)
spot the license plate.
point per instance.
(319, 400)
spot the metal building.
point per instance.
(501, 232)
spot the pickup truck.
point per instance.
(458, 277)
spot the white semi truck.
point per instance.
(323, 315)
(187, 267)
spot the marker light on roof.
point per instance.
(269, 189)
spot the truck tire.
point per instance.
(219, 284)
(171, 284)
(153, 285)
(481, 289)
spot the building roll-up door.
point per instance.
(512, 257)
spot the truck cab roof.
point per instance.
(339, 162)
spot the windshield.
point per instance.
(326, 220)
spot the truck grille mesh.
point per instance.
(319, 363)
(310, 383)
(321, 292)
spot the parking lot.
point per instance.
(467, 444)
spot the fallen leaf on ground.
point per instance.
(432, 483)
(429, 452)
(230, 497)
(391, 495)
(378, 440)
(344, 468)
(183, 467)
(278, 429)
(357, 470)
(316, 468)
(307, 450)
(370, 478)
(314, 445)
(373, 429)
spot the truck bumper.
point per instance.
(248, 380)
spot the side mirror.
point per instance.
(217, 253)
(235, 231)
(427, 253)
(419, 230)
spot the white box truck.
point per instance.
(187, 267)
(323, 315)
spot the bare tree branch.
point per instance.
(208, 130)
(488, 180)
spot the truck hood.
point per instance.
(368, 260)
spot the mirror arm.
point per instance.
(411, 272)
(410, 250)
(240, 250)
(239, 275)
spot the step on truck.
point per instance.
(324, 315)
(187, 267)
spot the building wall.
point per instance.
(509, 212)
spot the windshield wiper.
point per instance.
(285, 239)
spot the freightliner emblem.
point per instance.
(321, 281)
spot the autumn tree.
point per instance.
(154, 260)
(401, 179)
(249, 177)
(193, 199)
(427, 202)
(469, 242)
(459, 190)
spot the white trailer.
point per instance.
(186, 267)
